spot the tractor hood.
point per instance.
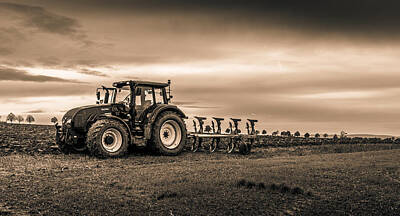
(72, 112)
(80, 115)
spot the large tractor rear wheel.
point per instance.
(107, 138)
(169, 134)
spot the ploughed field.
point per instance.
(25, 138)
(326, 178)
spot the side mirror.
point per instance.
(98, 95)
(138, 91)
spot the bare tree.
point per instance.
(54, 120)
(30, 119)
(11, 117)
(20, 119)
(343, 134)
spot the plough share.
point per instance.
(235, 139)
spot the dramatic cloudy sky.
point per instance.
(313, 66)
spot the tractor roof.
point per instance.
(121, 84)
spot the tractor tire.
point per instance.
(64, 148)
(80, 148)
(107, 138)
(244, 148)
(71, 149)
(169, 134)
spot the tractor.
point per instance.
(130, 113)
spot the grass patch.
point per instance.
(282, 188)
(5, 213)
(166, 195)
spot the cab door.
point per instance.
(143, 102)
(148, 100)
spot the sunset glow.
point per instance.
(283, 68)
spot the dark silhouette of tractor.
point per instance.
(129, 113)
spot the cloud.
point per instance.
(49, 61)
(8, 34)
(12, 74)
(222, 56)
(364, 18)
(46, 21)
(54, 62)
(199, 107)
(6, 51)
(35, 111)
(193, 105)
(19, 89)
(92, 72)
(8, 38)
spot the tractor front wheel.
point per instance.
(107, 138)
(169, 134)
(64, 148)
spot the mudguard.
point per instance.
(156, 112)
(109, 116)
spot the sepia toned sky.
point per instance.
(312, 66)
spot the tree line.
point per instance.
(19, 118)
(29, 118)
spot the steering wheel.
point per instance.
(126, 100)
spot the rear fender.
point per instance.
(157, 112)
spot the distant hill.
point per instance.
(370, 136)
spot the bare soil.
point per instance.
(301, 180)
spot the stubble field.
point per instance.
(340, 179)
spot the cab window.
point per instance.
(159, 96)
(147, 97)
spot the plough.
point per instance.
(235, 139)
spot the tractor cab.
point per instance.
(138, 96)
(141, 97)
